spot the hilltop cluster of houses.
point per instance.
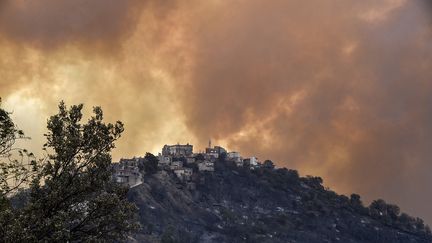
(127, 172)
(176, 158)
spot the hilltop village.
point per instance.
(181, 160)
(218, 196)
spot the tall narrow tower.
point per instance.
(209, 143)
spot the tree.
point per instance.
(150, 163)
(168, 236)
(268, 164)
(377, 208)
(357, 204)
(17, 166)
(406, 219)
(355, 200)
(314, 181)
(388, 213)
(393, 211)
(73, 197)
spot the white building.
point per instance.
(190, 160)
(175, 165)
(206, 166)
(127, 172)
(164, 160)
(215, 152)
(235, 157)
(184, 174)
(177, 150)
(253, 161)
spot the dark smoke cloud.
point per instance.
(342, 90)
(49, 23)
(28, 29)
(103, 52)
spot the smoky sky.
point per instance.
(339, 89)
(48, 23)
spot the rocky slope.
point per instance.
(236, 204)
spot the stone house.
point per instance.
(175, 165)
(190, 160)
(211, 157)
(206, 166)
(127, 172)
(177, 150)
(253, 161)
(216, 151)
(235, 157)
(184, 174)
(164, 160)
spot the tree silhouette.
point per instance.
(150, 163)
(73, 197)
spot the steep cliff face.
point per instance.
(236, 204)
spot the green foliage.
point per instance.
(268, 164)
(357, 204)
(169, 235)
(390, 215)
(379, 209)
(314, 182)
(8, 132)
(150, 163)
(73, 197)
(355, 200)
(17, 166)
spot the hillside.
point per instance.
(237, 204)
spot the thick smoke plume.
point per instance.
(341, 89)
